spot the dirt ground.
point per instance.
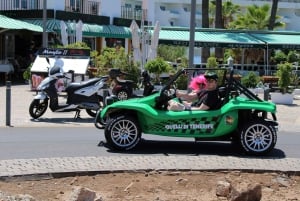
(156, 185)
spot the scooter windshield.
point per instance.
(54, 70)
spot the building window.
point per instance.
(163, 8)
(25, 4)
(138, 7)
(75, 5)
(127, 5)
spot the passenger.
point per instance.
(197, 84)
(208, 99)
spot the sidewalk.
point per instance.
(21, 97)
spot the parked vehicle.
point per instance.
(123, 88)
(84, 95)
(242, 117)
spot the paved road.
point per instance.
(21, 96)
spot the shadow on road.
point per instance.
(63, 120)
(192, 148)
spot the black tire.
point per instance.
(122, 133)
(99, 123)
(37, 108)
(258, 138)
(122, 95)
(92, 113)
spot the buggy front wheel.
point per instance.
(122, 132)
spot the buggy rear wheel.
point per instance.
(258, 137)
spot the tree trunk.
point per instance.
(273, 14)
(205, 24)
(219, 24)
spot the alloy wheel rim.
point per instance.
(124, 133)
(258, 137)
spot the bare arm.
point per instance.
(188, 97)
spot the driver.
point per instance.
(208, 99)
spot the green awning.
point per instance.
(52, 25)
(119, 31)
(206, 38)
(280, 40)
(10, 23)
(93, 30)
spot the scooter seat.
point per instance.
(77, 85)
(125, 81)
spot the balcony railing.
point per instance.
(21, 4)
(85, 7)
(133, 13)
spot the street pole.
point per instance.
(45, 35)
(143, 40)
(192, 34)
(192, 38)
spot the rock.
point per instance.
(82, 194)
(252, 193)
(19, 197)
(282, 181)
(223, 188)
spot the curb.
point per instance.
(92, 165)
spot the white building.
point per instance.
(177, 12)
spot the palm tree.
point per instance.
(228, 11)
(256, 18)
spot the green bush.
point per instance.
(26, 73)
(250, 80)
(158, 66)
(284, 74)
(212, 62)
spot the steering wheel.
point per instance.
(165, 96)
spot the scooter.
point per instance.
(85, 95)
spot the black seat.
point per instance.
(222, 97)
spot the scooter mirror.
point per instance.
(47, 59)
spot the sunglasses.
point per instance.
(211, 80)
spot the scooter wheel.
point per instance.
(37, 108)
(122, 95)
